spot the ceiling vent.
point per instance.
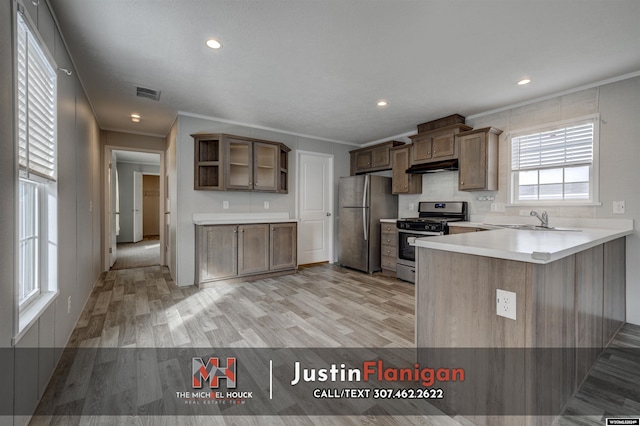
(143, 92)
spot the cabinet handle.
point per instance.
(461, 182)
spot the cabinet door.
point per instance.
(402, 182)
(217, 252)
(421, 150)
(443, 146)
(253, 248)
(238, 164)
(265, 166)
(363, 161)
(380, 157)
(283, 246)
(473, 162)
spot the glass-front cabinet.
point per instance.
(243, 164)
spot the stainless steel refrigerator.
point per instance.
(362, 201)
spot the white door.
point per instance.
(137, 207)
(315, 208)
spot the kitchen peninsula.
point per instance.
(568, 287)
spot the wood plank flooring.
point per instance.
(320, 306)
(137, 255)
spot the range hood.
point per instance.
(434, 167)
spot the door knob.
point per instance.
(328, 214)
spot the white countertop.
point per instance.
(388, 220)
(525, 245)
(240, 218)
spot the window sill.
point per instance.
(555, 204)
(30, 315)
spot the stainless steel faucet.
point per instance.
(544, 218)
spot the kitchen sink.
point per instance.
(533, 227)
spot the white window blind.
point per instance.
(569, 146)
(36, 107)
(555, 163)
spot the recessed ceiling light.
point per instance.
(214, 44)
(524, 81)
(382, 103)
(135, 118)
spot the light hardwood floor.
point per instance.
(320, 306)
(137, 255)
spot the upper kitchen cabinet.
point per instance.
(403, 182)
(372, 158)
(208, 162)
(241, 164)
(479, 159)
(436, 145)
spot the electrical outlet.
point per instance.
(506, 304)
(412, 206)
(69, 305)
(225, 204)
(618, 207)
(497, 207)
(266, 204)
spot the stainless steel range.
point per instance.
(432, 221)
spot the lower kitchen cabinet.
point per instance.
(253, 249)
(217, 252)
(247, 250)
(389, 248)
(283, 246)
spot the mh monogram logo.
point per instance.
(213, 372)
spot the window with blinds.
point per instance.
(37, 188)
(36, 80)
(554, 163)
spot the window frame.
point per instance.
(594, 172)
(28, 311)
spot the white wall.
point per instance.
(79, 201)
(188, 201)
(619, 107)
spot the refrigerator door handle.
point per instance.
(365, 226)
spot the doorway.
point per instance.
(314, 205)
(134, 225)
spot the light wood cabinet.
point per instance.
(403, 182)
(217, 252)
(614, 296)
(389, 248)
(436, 145)
(478, 160)
(283, 246)
(372, 158)
(253, 249)
(453, 229)
(227, 162)
(249, 250)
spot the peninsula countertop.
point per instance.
(533, 246)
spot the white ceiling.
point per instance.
(318, 67)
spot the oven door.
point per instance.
(406, 240)
(406, 268)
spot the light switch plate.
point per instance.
(266, 204)
(225, 204)
(506, 304)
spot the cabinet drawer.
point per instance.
(389, 263)
(391, 251)
(389, 228)
(389, 239)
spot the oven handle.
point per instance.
(420, 234)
